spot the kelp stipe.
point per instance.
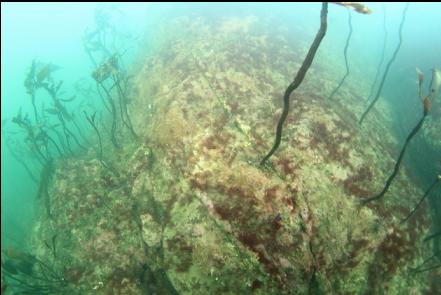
(28, 274)
(383, 51)
(386, 71)
(345, 53)
(426, 109)
(299, 78)
(91, 120)
(426, 194)
(423, 266)
(17, 156)
(435, 84)
(432, 236)
(110, 75)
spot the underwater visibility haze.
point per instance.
(221, 148)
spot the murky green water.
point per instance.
(221, 148)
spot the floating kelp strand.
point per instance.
(426, 194)
(345, 53)
(400, 157)
(114, 117)
(380, 87)
(299, 78)
(383, 51)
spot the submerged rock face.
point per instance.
(188, 209)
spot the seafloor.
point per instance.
(187, 209)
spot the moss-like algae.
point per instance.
(190, 200)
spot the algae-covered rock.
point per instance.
(188, 210)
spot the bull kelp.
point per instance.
(224, 148)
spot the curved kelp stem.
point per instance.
(34, 107)
(91, 120)
(346, 57)
(43, 188)
(432, 236)
(103, 100)
(35, 136)
(426, 194)
(428, 268)
(77, 127)
(380, 87)
(61, 140)
(400, 158)
(380, 63)
(299, 78)
(68, 133)
(17, 157)
(31, 86)
(55, 144)
(123, 107)
(113, 127)
(62, 113)
(420, 268)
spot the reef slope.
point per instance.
(188, 209)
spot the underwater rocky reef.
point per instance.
(178, 203)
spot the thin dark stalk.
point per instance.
(299, 78)
(37, 149)
(25, 124)
(23, 283)
(50, 271)
(92, 123)
(68, 133)
(313, 287)
(56, 145)
(102, 98)
(113, 128)
(54, 237)
(46, 148)
(387, 67)
(53, 93)
(61, 140)
(40, 158)
(120, 103)
(74, 122)
(45, 179)
(19, 159)
(427, 269)
(427, 193)
(397, 164)
(67, 144)
(34, 107)
(123, 106)
(434, 255)
(380, 63)
(75, 139)
(432, 236)
(346, 57)
(49, 287)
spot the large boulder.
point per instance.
(188, 209)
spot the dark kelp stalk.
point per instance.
(426, 109)
(386, 70)
(299, 78)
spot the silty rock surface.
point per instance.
(190, 209)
